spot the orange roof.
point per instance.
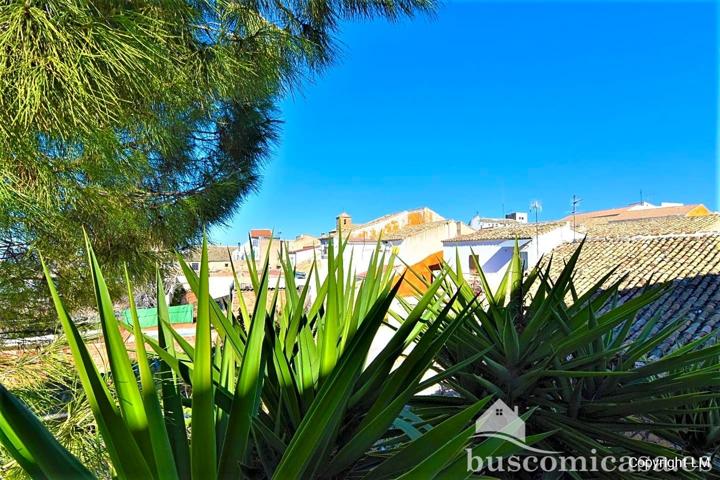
(687, 210)
(261, 233)
(628, 213)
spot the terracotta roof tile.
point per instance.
(690, 263)
(410, 230)
(676, 224)
(509, 232)
(216, 253)
(378, 220)
(503, 221)
(261, 233)
(631, 212)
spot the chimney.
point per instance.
(343, 222)
(520, 217)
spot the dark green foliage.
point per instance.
(567, 356)
(278, 403)
(141, 121)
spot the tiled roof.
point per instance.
(302, 242)
(503, 221)
(386, 217)
(690, 263)
(410, 230)
(261, 233)
(632, 212)
(371, 223)
(510, 232)
(216, 253)
(677, 224)
(302, 249)
(357, 226)
(665, 211)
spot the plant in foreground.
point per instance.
(570, 358)
(45, 381)
(281, 394)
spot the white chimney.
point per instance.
(520, 217)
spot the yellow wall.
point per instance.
(699, 211)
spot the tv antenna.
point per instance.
(536, 207)
(574, 204)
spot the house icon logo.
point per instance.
(501, 421)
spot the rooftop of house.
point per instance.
(302, 242)
(383, 218)
(415, 216)
(671, 225)
(493, 220)
(521, 231)
(638, 211)
(261, 233)
(688, 262)
(374, 221)
(216, 253)
(301, 248)
(412, 230)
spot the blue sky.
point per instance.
(490, 105)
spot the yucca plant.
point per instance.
(276, 394)
(701, 419)
(329, 410)
(569, 357)
(701, 435)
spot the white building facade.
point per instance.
(492, 248)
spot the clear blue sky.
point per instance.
(490, 105)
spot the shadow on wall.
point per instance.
(498, 261)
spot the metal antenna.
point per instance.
(536, 206)
(574, 203)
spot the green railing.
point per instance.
(148, 316)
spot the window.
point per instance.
(473, 262)
(195, 266)
(524, 261)
(227, 265)
(434, 272)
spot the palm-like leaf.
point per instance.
(286, 392)
(570, 358)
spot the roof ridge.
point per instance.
(510, 231)
(651, 236)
